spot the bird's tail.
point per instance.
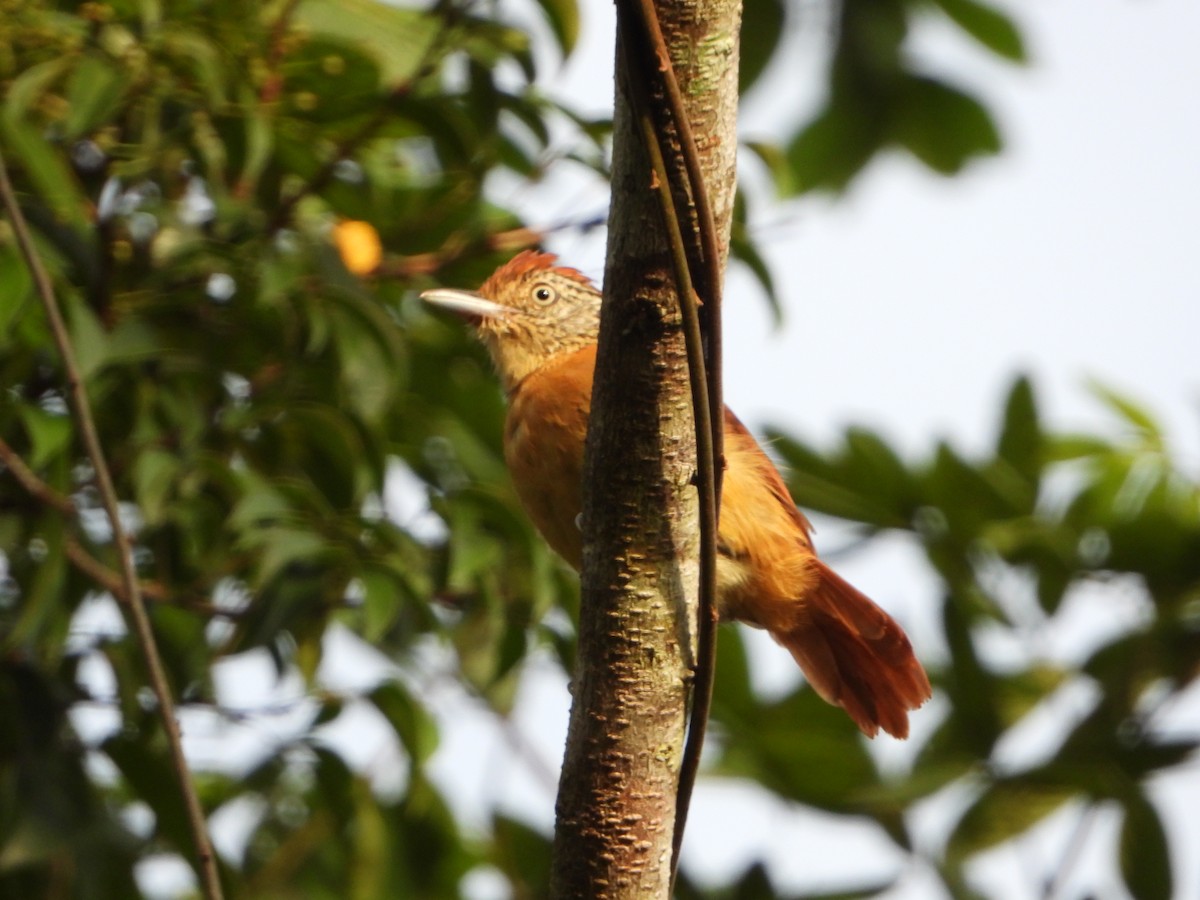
(857, 657)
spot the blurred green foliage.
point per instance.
(1045, 519)
(184, 167)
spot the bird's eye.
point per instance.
(544, 294)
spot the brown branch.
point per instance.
(272, 85)
(111, 581)
(459, 245)
(79, 556)
(34, 485)
(81, 408)
(455, 248)
(108, 579)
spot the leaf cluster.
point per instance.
(185, 168)
(879, 95)
(1045, 523)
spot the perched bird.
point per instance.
(540, 323)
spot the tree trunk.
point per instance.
(616, 803)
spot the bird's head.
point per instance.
(528, 311)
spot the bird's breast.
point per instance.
(766, 565)
(543, 447)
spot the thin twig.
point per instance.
(459, 245)
(209, 876)
(29, 480)
(456, 247)
(272, 85)
(646, 46)
(79, 556)
(112, 582)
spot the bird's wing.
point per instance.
(737, 434)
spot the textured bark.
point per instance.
(616, 804)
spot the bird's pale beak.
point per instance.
(465, 303)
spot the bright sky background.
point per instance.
(911, 304)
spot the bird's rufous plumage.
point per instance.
(540, 322)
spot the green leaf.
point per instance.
(1133, 413)
(261, 504)
(383, 594)
(833, 148)
(801, 747)
(732, 681)
(331, 707)
(967, 495)
(155, 472)
(1053, 579)
(988, 25)
(132, 340)
(152, 780)
(94, 90)
(763, 24)
(280, 547)
(408, 718)
(1017, 694)
(88, 337)
(202, 58)
(773, 157)
(942, 126)
(370, 851)
(523, 854)
(47, 170)
(743, 249)
(1020, 441)
(873, 466)
(398, 38)
(16, 295)
(824, 495)
(837, 487)
(25, 91)
(329, 78)
(974, 724)
(1145, 861)
(49, 434)
(563, 16)
(1064, 447)
(43, 162)
(42, 619)
(1004, 810)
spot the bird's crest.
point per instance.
(522, 264)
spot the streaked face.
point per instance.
(527, 312)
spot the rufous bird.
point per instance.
(540, 322)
